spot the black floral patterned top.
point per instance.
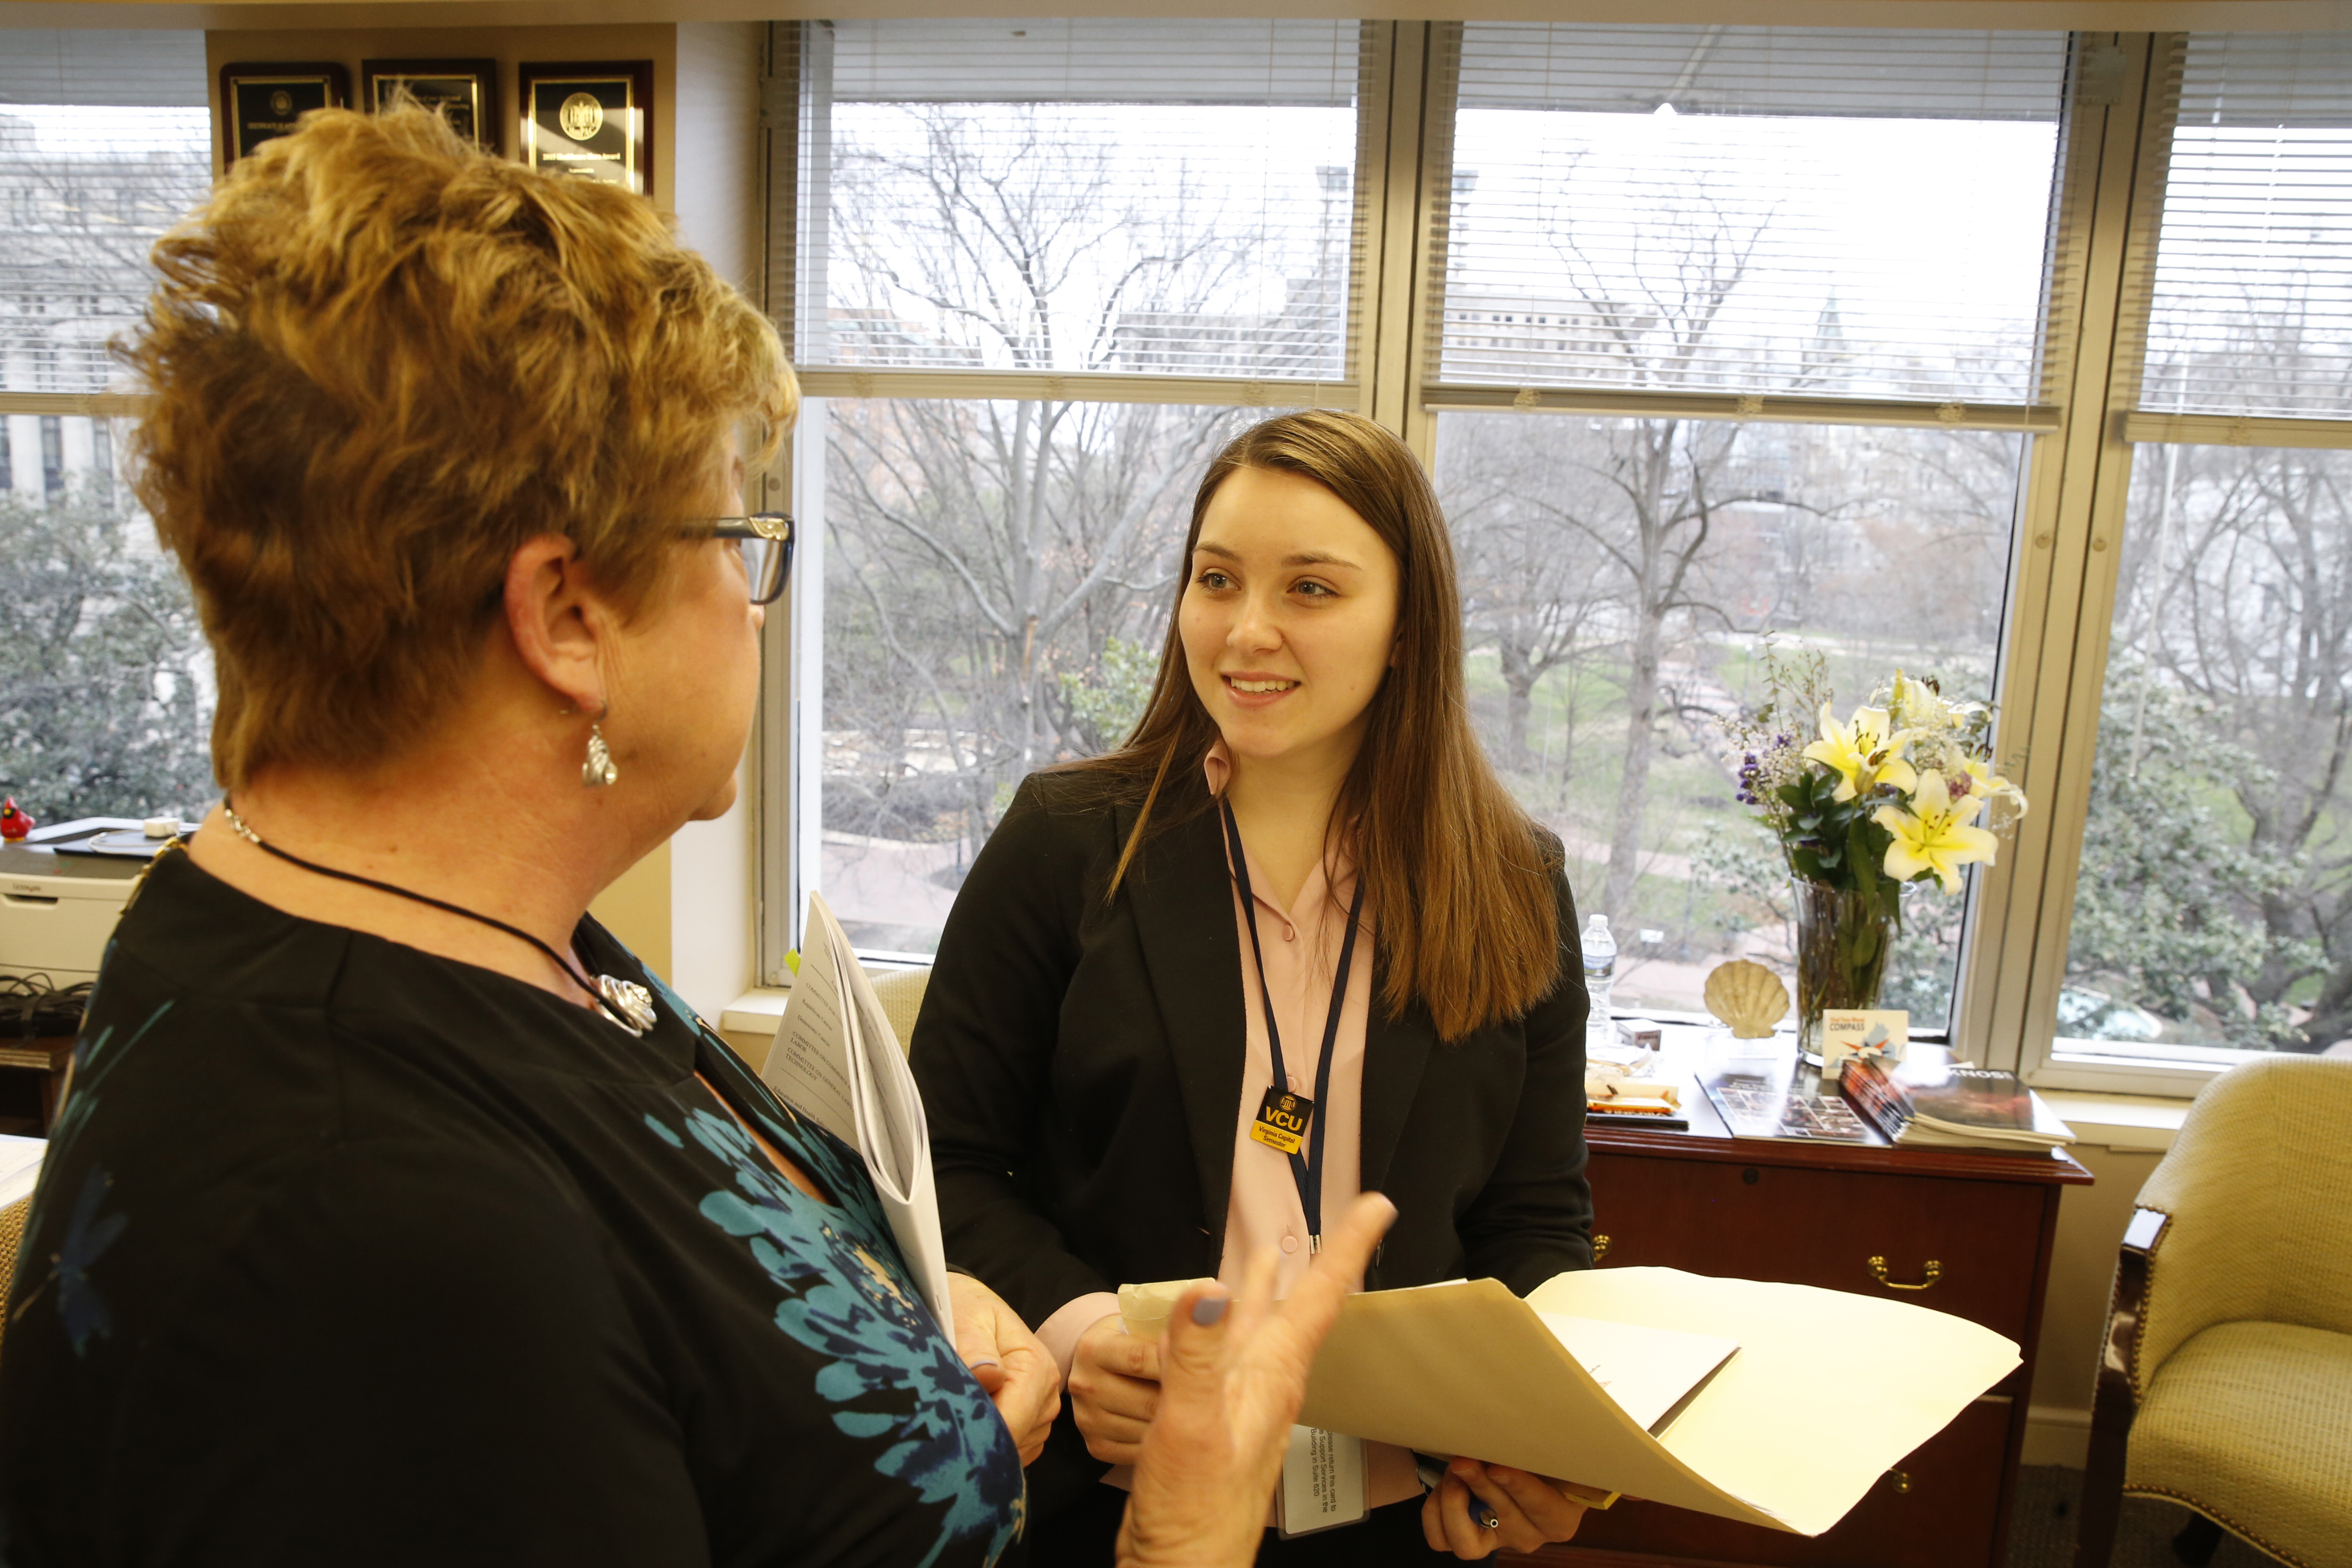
(345, 1253)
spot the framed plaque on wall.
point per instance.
(591, 120)
(262, 101)
(466, 92)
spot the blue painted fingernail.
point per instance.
(1208, 1310)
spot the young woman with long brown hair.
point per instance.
(1291, 942)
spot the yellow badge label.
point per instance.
(1282, 1120)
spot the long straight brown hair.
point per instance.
(1461, 878)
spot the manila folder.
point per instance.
(1782, 1436)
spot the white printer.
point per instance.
(58, 901)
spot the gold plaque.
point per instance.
(591, 121)
(464, 92)
(263, 100)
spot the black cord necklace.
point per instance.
(624, 1002)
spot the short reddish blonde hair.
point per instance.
(379, 361)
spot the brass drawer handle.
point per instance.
(1929, 1273)
(1599, 1250)
(1902, 1479)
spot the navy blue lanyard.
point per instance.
(1307, 1169)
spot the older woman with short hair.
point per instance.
(397, 1214)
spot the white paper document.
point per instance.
(1322, 1482)
(1770, 1439)
(838, 1062)
(20, 1167)
(1647, 1370)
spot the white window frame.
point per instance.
(2076, 608)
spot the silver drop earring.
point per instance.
(598, 772)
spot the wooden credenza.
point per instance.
(1831, 1215)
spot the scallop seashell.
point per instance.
(1748, 996)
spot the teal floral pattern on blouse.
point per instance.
(847, 1295)
(81, 1308)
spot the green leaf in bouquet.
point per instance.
(1865, 869)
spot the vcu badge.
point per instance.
(1282, 1120)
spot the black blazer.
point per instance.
(1081, 1067)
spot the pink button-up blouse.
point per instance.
(1301, 944)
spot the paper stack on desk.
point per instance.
(1777, 1438)
(20, 1167)
(837, 1061)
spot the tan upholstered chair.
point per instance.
(12, 1238)
(2225, 1383)
(900, 991)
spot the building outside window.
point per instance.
(101, 464)
(53, 456)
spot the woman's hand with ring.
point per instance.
(1011, 1363)
(1528, 1510)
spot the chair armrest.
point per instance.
(2116, 1400)
(2147, 1228)
(2127, 1310)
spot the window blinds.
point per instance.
(1096, 59)
(1079, 195)
(104, 142)
(115, 66)
(2251, 300)
(1749, 210)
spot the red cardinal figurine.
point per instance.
(13, 822)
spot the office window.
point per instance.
(105, 686)
(1042, 269)
(2213, 914)
(104, 142)
(2251, 313)
(1750, 210)
(1737, 331)
(1162, 197)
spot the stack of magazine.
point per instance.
(1953, 1107)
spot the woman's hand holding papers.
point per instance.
(1528, 1510)
(1234, 1374)
(1114, 1389)
(1008, 1361)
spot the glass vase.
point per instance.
(1842, 940)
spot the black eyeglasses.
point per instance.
(766, 540)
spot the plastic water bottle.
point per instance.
(1599, 972)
